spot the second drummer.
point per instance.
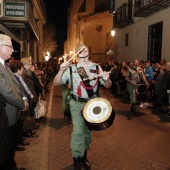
(133, 76)
(82, 90)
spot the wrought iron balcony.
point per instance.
(124, 16)
(144, 8)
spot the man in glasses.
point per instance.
(15, 100)
(83, 88)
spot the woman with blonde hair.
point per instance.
(28, 79)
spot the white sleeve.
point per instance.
(66, 76)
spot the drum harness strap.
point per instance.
(85, 84)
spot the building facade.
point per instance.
(142, 30)
(90, 23)
(23, 21)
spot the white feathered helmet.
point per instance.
(80, 47)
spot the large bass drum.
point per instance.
(144, 92)
(98, 114)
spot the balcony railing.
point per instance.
(124, 16)
(144, 8)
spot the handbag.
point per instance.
(41, 108)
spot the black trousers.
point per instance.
(10, 163)
(20, 131)
(32, 107)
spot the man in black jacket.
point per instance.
(4, 133)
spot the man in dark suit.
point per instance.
(14, 97)
(4, 132)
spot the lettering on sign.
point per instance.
(13, 9)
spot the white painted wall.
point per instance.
(138, 37)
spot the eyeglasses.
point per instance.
(10, 46)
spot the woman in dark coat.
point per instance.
(38, 86)
(28, 79)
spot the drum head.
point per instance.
(144, 92)
(97, 110)
(141, 89)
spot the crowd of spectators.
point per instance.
(157, 76)
(34, 78)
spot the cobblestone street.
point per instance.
(139, 141)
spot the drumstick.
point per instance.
(76, 54)
(70, 59)
(96, 76)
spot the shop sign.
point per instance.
(14, 9)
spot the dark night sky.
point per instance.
(57, 12)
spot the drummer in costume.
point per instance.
(132, 77)
(83, 88)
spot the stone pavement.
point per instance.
(139, 141)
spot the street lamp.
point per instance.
(113, 32)
(113, 28)
(47, 56)
(71, 52)
(109, 43)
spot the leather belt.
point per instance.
(79, 99)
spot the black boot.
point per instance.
(77, 163)
(85, 162)
(133, 108)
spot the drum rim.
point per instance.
(87, 119)
(148, 88)
(140, 86)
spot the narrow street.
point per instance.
(139, 141)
